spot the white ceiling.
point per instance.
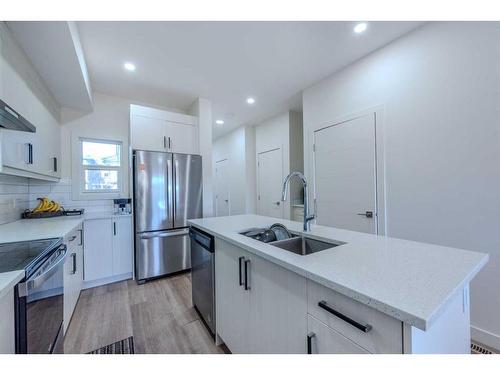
(225, 61)
(54, 49)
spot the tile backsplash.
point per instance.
(19, 193)
(14, 197)
(61, 192)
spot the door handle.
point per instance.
(240, 274)
(247, 283)
(114, 228)
(310, 336)
(368, 214)
(164, 142)
(55, 164)
(169, 143)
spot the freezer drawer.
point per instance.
(161, 253)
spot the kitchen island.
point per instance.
(371, 294)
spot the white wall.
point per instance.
(283, 131)
(440, 89)
(250, 170)
(22, 88)
(271, 134)
(109, 120)
(233, 147)
(202, 108)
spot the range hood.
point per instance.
(10, 119)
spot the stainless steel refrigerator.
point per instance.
(167, 192)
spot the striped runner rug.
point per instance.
(125, 346)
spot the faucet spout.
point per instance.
(307, 217)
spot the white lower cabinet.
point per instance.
(265, 308)
(108, 250)
(232, 301)
(122, 245)
(73, 273)
(7, 323)
(325, 340)
(261, 307)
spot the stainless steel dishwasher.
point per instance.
(203, 275)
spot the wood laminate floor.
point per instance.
(159, 315)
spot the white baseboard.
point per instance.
(107, 280)
(484, 337)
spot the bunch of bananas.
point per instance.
(47, 205)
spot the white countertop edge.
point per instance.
(8, 280)
(420, 322)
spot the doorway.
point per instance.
(346, 174)
(270, 180)
(222, 196)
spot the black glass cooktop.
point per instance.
(21, 255)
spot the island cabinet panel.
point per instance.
(325, 340)
(384, 335)
(232, 301)
(264, 310)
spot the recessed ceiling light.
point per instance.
(250, 100)
(129, 66)
(219, 122)
(360, 27)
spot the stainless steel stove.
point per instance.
(39, 295)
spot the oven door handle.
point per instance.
(35, 282)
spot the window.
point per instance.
(100, 166)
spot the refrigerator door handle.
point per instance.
(171, 187)
(146, 236)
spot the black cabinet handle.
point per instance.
(362, 327)
(241, 275)
(30, 153)
(169, 143)
(55, 164)
(114, 228)
(73, 256)
(81, 237)
(310, 336)
(247, 284)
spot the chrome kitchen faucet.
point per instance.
(307, 217)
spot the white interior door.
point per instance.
(222, 202)
(345, 175)
(270, 181)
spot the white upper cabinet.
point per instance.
(35, 155)
(156, 130)
(146, 133)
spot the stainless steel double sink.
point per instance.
(303, 245)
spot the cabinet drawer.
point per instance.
(74, 238)
(385, 334)
(325, 340)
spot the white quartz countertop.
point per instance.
(411, 281)
(37, 229)
(8, 280)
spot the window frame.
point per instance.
(79, 190)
